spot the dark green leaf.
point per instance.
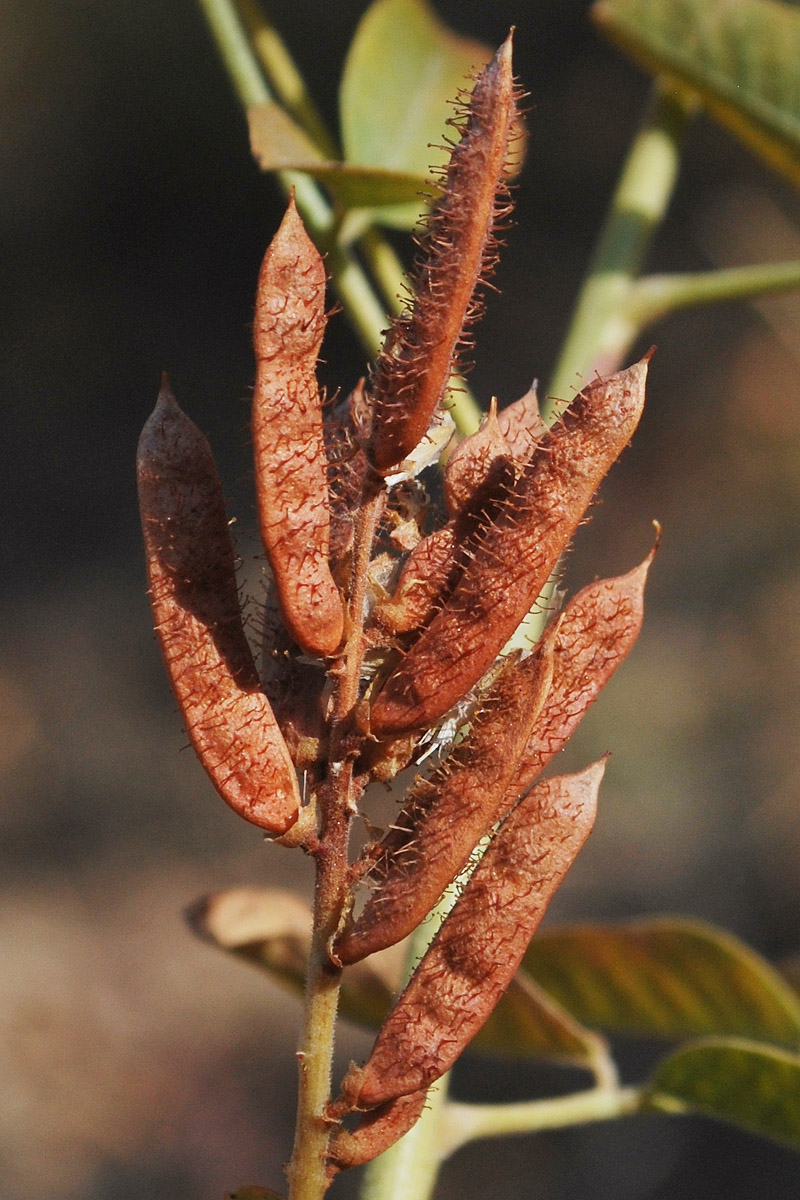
(755, 1086)
(666, 977)
(742, 59)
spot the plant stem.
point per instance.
(656, 295)
(462, 1123)
(338, 795)
(600, 332)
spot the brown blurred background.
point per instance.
(135, 1062)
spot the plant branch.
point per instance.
(657, 295)
(600, 331)
(462, 1123)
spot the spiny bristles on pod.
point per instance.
(290, 457)
(517, 553)
(447, 815)
(475, 954)
(458, 250)
(595, 634)
(436, 564)
(191, 568)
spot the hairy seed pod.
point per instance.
(291, 463)
(475, 954)
(470, 463)
(375, 1132)
(447, 815)
(516, 556)
(597, 630)
(190, 564)
(416, 362)
(522, 426)
(437, 563)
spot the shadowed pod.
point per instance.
(290, 457)
(191, 569)
(446, 816)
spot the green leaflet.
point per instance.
(754, 1086)
(665, 977)
(741, 59)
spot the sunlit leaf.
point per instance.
(403, 70)
(742, 58)
(279, 144)
(751, 1085)
(665, 977)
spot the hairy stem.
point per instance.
(338, 801)
(599, 332)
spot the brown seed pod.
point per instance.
(597, 630)
(375, 1132)
(522, 426)
(291, 463)
(469, 464)
(476, 952)
(518, 552)
(190, 564)
(437, 563)
(416, 362)
(447, 815)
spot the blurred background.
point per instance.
(134, 1061)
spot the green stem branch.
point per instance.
(599, 332)
(462, 1123)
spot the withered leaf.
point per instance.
(191, 568)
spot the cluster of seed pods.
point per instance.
(419, 634)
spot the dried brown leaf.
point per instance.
(190, 564)
(291, 462)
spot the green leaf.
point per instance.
(751, 1085)
(742, 58)
(403, 70)
(529, 1023)
(279, 144)
(665, 977)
